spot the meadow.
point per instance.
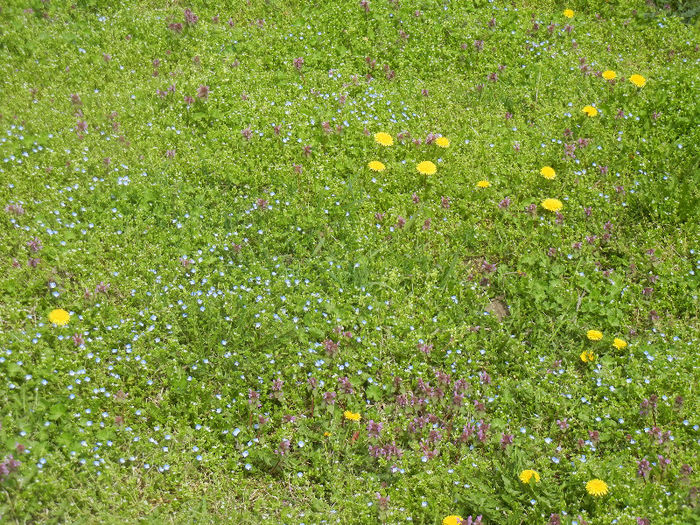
(379, 261)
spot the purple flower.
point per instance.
(190, 17)
(504, 203)
(374, 429)
(298, 63)
(329, 398)
(643, 468)
(506, 439)
(253, 398)
(283, 448)
(563, 423)
(479, 45)
(203, 91)
(35, 244)
(483, 429)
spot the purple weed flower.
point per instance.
(479, 45)
(329, 398)
(190, 18)
(374, 429)
(643, 468)
(506, 439)
(283, 447)
(298, 63)
(35, 244)
(504, 203)
(482, 432)
(203, 91)
(78, 339)
(33, 262)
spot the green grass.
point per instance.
(189, 295)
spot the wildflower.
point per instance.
(452, 520)
(426, 168)
(638, 80)
(643, 468)
(384, 139)
(352, 416)
(609, 74)
(504, 203)
(552, 204)
(203, 91)
(483, 184)
(443, 142)
(326, 434)
(298, 63)
(619, 343)
(597, 487)
(548, 173)
(375, 165)
(590, 111)
(568, 13)
(59, 317)
(527, 475)
(594, 335)
(587, 356)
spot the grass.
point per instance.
(238, 278)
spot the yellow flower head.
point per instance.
(375, 165)
(426, 168)
(483, 184)
(383, 138)
(326, 434)
(638, 80)
(452, 520)
(609, 74)
(597, 487)
(568, 13)
(527, 475)
(590, 111)
(552, 204)
(619, 343)
(594, 335)
(59, 317)
(443, 142)
(587, 356)
(352, 416)
(548, 172)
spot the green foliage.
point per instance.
(238, 278)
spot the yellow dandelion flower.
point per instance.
(587, 356)
(609, 74)
(638, 80)
(594, 335)
(597, 487)
(483, 184)
(619, 343)
(568, 13)
(326, 434)
(443, 142)
(352, 416)
(383, 138)
(527, 475)
(452, 520)
(548, 172)
(590, 111)
(375, 165)
(426, 168)
(59, 317)
(552, 204)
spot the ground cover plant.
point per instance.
(349, 262)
